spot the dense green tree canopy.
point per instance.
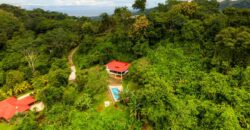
(190, 66)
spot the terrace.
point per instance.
(116, 70)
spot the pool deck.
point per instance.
(120, 88)
(114, 83)
(116, 86)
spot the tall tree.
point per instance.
(31, 58)
(232, 47)
(139, 4)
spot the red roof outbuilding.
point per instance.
(25, 101)
(9, 107)
(118, 66)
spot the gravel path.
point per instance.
(72, 76)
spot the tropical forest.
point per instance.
(180, 65)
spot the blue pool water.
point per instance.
(115, 92)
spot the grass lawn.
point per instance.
(101, 98)
(112, 117)
(5, 126)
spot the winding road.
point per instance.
(72, 76)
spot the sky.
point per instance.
(78, 7)
(112, 3)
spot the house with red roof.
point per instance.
(11, 106)
(117, 68)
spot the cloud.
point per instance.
(59, 2)
(78, 2)
(84, 2)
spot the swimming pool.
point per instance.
(115, 92)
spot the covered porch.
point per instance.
(115, 74)
(117, 69)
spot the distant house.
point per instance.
(117, 68)
(11, 106)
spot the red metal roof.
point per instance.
(26, 101)
(118, 66)
(9, 107)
